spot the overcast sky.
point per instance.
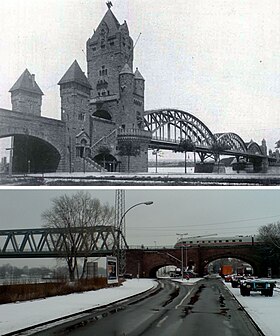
(196, 212)
(217, 59)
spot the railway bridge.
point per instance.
(104, 240)
(149, 260)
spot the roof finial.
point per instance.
(109, 4)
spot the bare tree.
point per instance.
(186, 145)
(129, 148)
(270, 234)
(78, 211)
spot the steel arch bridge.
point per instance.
(169, 126)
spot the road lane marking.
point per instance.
(161, 321)
(184, 298)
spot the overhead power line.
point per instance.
(206, 224)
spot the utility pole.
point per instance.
(120, 228)
(182, 253)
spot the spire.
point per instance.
(110, 22)
(138, 75)
(126, 70)
(75, 74)
(27, 82)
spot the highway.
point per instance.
(207, 308)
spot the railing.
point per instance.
(104, 138)
(134, 132)
(143, 247)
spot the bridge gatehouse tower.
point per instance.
(104, 112)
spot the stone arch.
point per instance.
(102, 114)
(33, 155)
(51, 132)
(107, 161)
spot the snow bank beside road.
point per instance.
(15, 316)
(263, 310)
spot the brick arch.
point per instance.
(149, 260)
(252, 260)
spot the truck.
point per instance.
(265, 286)
(226, 270)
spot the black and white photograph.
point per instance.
(140, 92)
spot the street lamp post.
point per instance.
(121, 234)
(182, 253)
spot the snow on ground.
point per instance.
(263, 310)
(15, 316)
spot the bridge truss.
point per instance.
(54, 242)
(170, 126)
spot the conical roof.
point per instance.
(126, 70)
(26, 82)
(75, 74)
(138, 75)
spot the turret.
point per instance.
(139, 83)
(126, 96)
(264, 147)
(26, 95)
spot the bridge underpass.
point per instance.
(149, 260)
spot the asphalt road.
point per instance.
(206, 308)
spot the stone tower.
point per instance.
(104, 112)
(108, 50)
(26, 95)
(117, 94)
(75, 93)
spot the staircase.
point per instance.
(105, 140)
(91, 165)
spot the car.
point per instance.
(236, 281)
(228, 277)
(127, 276)
(265, 286)
(191, 274)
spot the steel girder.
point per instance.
(173, 125)
(54, 242)
(169, 126)
(232, 140)
(254, 148)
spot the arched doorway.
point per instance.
(107, 161)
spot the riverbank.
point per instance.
(143, 179)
